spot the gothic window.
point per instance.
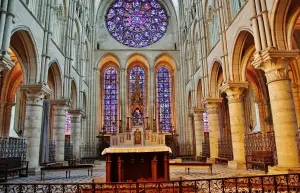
(164, 103)
(236, 5)
(110, 100)
(205, 122)
(137, 93)
(138, 23)
(68, 124)
(213, 28)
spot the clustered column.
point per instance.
(33, 120)
(75, 131)
(212, 108)
(275, 64)
(59, 123)
(199, 132)
(237, 122)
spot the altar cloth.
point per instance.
(142, 149)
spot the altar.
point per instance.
(137, 164)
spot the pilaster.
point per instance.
(2, 129)
(199, 132)
(234, 93)
(275, 64)
(212, 108)
(35, 94)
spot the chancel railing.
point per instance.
(225, 148)
(185, 149)
(271, 183)
(261, 142)
(68, 151)
(88, 150)
(52, 151)
(13, 147)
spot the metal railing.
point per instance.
(13, 147)
(68, 151)
(272, 183)
(52, 151)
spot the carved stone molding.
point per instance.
(198, 114)
(76, 112)
(212, 105)
(6, 63)
(35, 93)
(275, 63)
(234, 91)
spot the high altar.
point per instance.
(139, 154)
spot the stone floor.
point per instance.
(219, 171)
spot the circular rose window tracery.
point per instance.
(136, 23)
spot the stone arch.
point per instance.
(23, 45)
(55, 80)
(166, 58)
(281, 19)
(84, 99)
(73, 95)
(216, 79)
(243, 42)
(199, 94)
(109, 57)
(134, 58)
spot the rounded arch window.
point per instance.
(137, 23)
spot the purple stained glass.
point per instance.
(136, 23)
(110, 100)
(137, 114)
(164, 99)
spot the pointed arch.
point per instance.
(73, 95)
(216, 79)
(55, 80)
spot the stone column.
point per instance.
(234, 93)
(189, 132)
(33, 121)
(199, 132)
(2, 128)
(59, 125)
(7, 118)
(76, 131)
(275, 64)
(295, 89)
(83, 130)
(212, 107)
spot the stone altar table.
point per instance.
(137, 164)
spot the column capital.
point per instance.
(61, 102)
(76, 112)
(210, 101)
(35, 93)
(6, 63)
(198, 114)
(234, 90)
(275, 63)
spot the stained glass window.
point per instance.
(110, 99)
(136, 23)
(164, 99)
(68, 124)
(137, 93)
(205, 122)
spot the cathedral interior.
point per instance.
(156, 96)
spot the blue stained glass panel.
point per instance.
(137, 23)
(110, 100)
(164, 99)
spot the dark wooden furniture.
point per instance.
(261, 159)
(190, 165)
(11, 166)
(137, 164)
(67, 169)
(224, 158)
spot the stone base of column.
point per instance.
(234, 164)
(283, 170)
(33, 171)
(211, 160)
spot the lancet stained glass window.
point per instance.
(164, 99)
(136, 23)
(110, 97)
(137, 94)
